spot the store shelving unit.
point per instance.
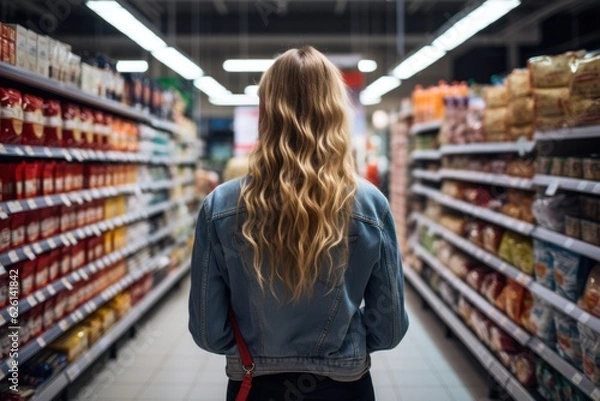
(485, 357)
(501, 180)
(428, 127)
(75, 369)
(568, 184)
(568, 134)
(425, 155)
(521, 147)
(426, 175)
(572, 244)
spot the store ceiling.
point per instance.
(211, 31)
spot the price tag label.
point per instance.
(576, 379)
(581, 185)
(2, 148)
(95, 193)
(75, 275)
(37, 249)
(77, 154)
(84, 275)
(540, 347)
(18, 151)
(80, 233)
(65, 200)
(72, 372)
(3, 215)
(595, 395)
(63, 325)
(93, 268)
(31, 203)
(569, 307)
(77, 198)
(14, 206)
(51, 243)
(552, 188)
(67, 155)
(13, 257)
(29, 253)
(596, 189)
(47, 152)
(40, 296)
(88, 231)
(67, 284)
(87, 196)
(51, 290)
(31, 300)
(96, 230)
(584, 318)
(48, 200)
(569, 243)
(2, 320)
(29, 151)
(102, 263)
(41, 342)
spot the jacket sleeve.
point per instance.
(385, 317)
(209, 294)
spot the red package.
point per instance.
(100, 130)
(36, 316)
(475, 278)
(90, 213)
(31, 180)
(71, 117)
(514, 300)
(77, 170)
(99, 248)
(60, 305)
(81, 215)
(25, 333)
(492, 235)
(11, 116)
(46, 217)
(32, 227)
(48, 178)
(7, 181)
(68, 218)
(53, 124)
(59, 177)
(54, 265)
(65, 260)
(4, 235)
(523, 367)
(99, 210)
(48, 317)
(91, 250)
(87, 128)
(69, 173)
(41, 271)
(492, 285)
(27, 277)
(106, 144)
(3, 290)
(78, 255)
(33, 120)
(17, 230)
(100, 180)
(19, 181)
(502, 342)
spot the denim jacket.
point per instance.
(331, 333)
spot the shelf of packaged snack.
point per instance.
(80, 155)
(485, 357)
(430, 126)
(487, 178)
(559, 302)
(572, 244)
(24, 77)
(521, 146)
(71, 237)
(426, 175)
(82, 274)
(590, 132)
(428, 154)
(476, 211)
(53, 388)
(38, 344)
(570, 184)
(532, 342)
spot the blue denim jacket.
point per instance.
(330, 334)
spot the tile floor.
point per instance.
(163, 363)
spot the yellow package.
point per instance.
(518, 83)
(524, 131)
(108, 317)
(586, 77)
(94, 327)
(520, 111)
(584, 111)
(544, 123)
(495, 96)
(551, 102)
(73, 343)
(494, 120)
(552, 71)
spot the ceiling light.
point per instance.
(417, 62)
(367, 100)
(234, 100)
(251, 90)
(478, 19)
(132, 66)
(381, 86)
(113, 13)
(367, 65)
(210, 87)
(178, 63)
(251, 65)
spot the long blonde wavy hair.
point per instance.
(301, 192)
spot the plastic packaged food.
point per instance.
(572, 227)
(514, 300)
(547, 380)
(573, 168)
(492, 236)
(590, 352)
(502, 342)
(591, 168)
(522, 254)
(567, 334)
(552, 71)
(590, 301)
(523, 367)
(459, 264)
(544, 263)
(549, 212)
(518, 83)
(33, 120)
(570, 273)
(551, 102)
(72, 344)
(495, 121)
(590, 232)
(17, 230)
(11, 116)
(87, 128)
(52, 123)
(585, 82)
(492, 285)
(4, 235)
(475, 278)
(495, 96)
(71, 117)
(520, 111)
(590, 207)
(541, 321)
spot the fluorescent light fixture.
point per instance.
(250, 65)
(210, 87)
(366, 100)
(367, 65)
(178, 63)
(132, 66)
(417, 62)
(234, 100)
(113, 13)
(251, 90)
(478, 19)
(381, 86)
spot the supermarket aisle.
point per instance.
(163, 363)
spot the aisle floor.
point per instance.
(163, 363)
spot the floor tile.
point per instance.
(164, 391)
(429, 393)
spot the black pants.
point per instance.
(304, 387)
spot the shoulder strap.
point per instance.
(247, 361)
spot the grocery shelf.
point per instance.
(80, 155)
(569, 184)
(479, 212)
(82, 274)
(53, 388)
(485, 357)
(70, 238)
(503, 180)
(430, 154)
(569, 133)
(560, 303)
(57, 88)
(522, 147)
(426, 175)
(430, 126)
(572, 244)
(532, 342)
(35, 346)
(475, 298)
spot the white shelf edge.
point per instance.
(569, 184)
(486, 178)
(521, 147)
(420, 128)
(426, 175)
(430, 154)
(571, 244)
(589, 132)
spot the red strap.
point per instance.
(247, 361)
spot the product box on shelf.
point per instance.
(42, 56)
(32, 51)
(8, 36)
(21, 45)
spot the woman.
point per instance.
(296, 246)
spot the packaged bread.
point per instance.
(545, 123)
(590, 350)
(585, 82)
(552, 71)
(522, 131)
(590, 300)
(552, 101)
(567, 334)
(520, 111)
(495, 96)
(583, 111)
(541, 320)
(518, 83)
(494, 121)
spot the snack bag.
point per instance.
(567, 334)
(590, 350)
(522, 254)
(541, 321)
(552, 71)
(523, 367)
(495, 96)
(570, 273)
(492, 285)
(590, 301)
(514, 300)
(518, 83)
